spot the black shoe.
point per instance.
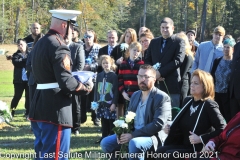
(75, 132)
(13, 113)
(98, 141)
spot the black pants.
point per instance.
(234, 106)
(18, 91)
(76, 112)
(169, 152)
(107, 126)
(86, 105)
(223, 101)
(184, 91)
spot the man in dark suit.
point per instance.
(234, 85)
(169, 51)
(112, 39)
(153, 110)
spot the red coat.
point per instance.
(229, 148)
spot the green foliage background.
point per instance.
(102, 15)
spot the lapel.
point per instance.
(158, 49)
(165, 49)
(136, 100)
(149, 104)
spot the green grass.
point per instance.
(19, 140)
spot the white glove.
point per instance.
(210, 146)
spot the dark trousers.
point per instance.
(184, 91)
(107, 126)
(18, 91)
(234, 106)
(223, 101)
(76, 112)
(86, 105)
(170, 151)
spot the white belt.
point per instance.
(47, 86)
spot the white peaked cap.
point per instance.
(65, 15)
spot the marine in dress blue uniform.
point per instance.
(51, 110)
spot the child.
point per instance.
(127, 76)
(106, 94)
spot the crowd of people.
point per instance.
(140, 73)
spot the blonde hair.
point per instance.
(108, 59)
(188, 47)
(132, 33)
(133, 45)
(208, 86)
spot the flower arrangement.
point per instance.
(5, 115)
(124, 46)
(94, 105)
(124, 125)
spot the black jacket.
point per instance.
(19, 63)
(209, 117)
(171, 59)
(51, 63)
(234, 85)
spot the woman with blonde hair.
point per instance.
(193, 127)
(118, 52)
(185, 67)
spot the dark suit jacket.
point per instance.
(209, 117)
(171, 59)
(77, 56)
(102, 51)
(234, 84)
(158, 111)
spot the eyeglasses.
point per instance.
(144, 77)
(87, 36)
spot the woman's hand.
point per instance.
(112, 107)
(166, 129)
(193, 138)
(210, 146)
(125, 96)
(120, 60)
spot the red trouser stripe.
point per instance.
(59, 133)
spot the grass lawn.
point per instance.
(19, 140)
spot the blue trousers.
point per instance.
(137, 147)
(52, 142)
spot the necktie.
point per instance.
(110, 50)
(163, 44)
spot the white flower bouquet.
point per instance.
(124, 46)
(124, 125)
(5, 115)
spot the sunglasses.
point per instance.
(87, 36)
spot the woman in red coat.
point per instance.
(227, 144)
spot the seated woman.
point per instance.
(226, 146)
(193, 126)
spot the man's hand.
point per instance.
(125, 96)
(166, 129)
(193, 138)
(89, 84)
(125, 138)
(9, 57)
